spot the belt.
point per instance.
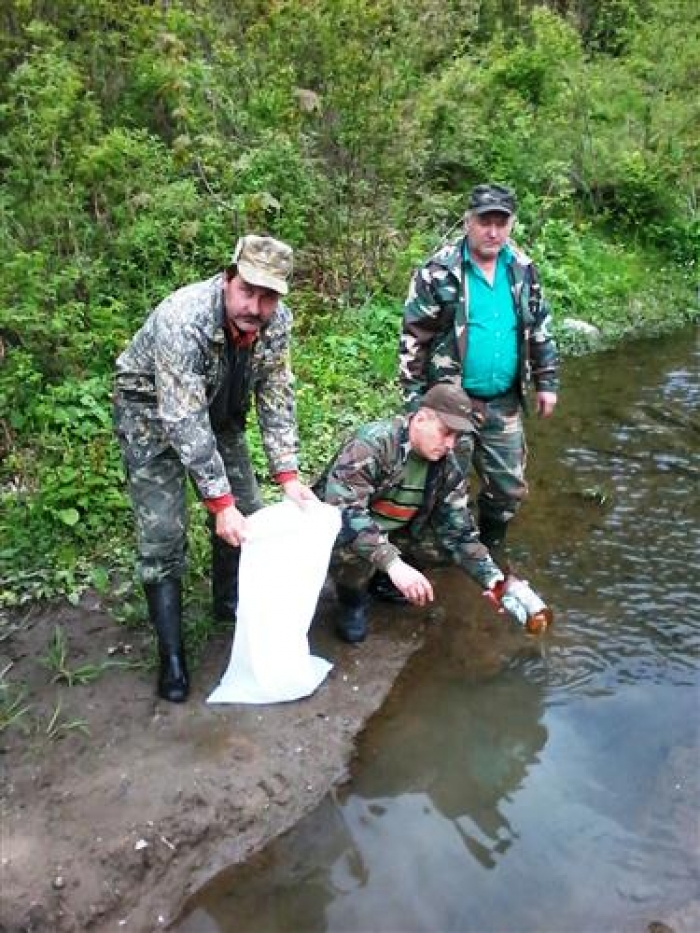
(490, 398)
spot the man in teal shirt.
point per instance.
(475, 316)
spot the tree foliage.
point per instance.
(137, 140)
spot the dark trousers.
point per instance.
(158, 492)
(497, 453)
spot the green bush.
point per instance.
(137, 141)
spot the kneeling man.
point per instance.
(403, 500)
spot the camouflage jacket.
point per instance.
(434, 334)
(372, 463)
(169, 375)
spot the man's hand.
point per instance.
(231, 526)
(545, 403)
(494, 592)
(299, 493)
(411, 582)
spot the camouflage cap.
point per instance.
(263, 261)
(452, 404)
(485, 198)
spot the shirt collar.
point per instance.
(505, 256)
(241, 340)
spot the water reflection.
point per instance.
(406, 801)
(460, 760)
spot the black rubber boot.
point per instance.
(352, 623)
(224, 579)
(381, 587)
(165, 612)
(492, 533)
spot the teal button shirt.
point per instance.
(491, 362)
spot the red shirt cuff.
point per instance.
(219, 504)
(285, 476)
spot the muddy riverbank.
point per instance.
(117, 805)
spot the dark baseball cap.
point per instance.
(452, 404)
(485, 198)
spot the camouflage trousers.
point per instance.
(497, 453)
(158, 492)
(354, 572)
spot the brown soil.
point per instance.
(114, 815)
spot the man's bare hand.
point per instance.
(231, 526)
(299, 493)
(546, 402)
(411, 582)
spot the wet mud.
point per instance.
(129, 804)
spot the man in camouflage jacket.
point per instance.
(475, 316)
(183, 388)
(401, 492)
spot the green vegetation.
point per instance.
(16, 713)
(138, 140)
(56, 660)
(56, 728)
(13, 708)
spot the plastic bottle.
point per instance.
(523, 603)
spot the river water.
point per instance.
(519, 783)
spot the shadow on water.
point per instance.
(514, 783)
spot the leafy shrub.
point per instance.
(137, 141)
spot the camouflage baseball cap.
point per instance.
(452, 404)
(262, 261)
(485, 198)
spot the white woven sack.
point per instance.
(283, 566)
